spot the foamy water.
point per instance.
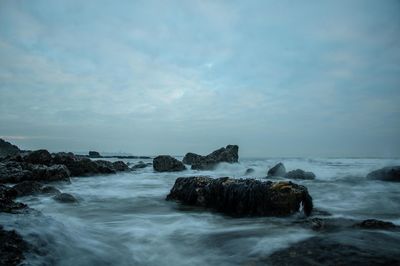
(123, 219)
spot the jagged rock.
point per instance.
(229, 154)
(242, 197)
(166, 163)
(94, 154)
(7, 149)
(120, 166)
(300, 174)
(65, 198)
(13, 172)
(390, 173)
(249, 171)
(375, 224)
(26, 188)
(50, 190)
(277, 170)
(39, 157)
(12, 248)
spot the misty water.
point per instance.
(123, 219)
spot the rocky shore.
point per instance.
(337, 241)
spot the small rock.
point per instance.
(375, 224)
(50, 190)
(166, 163)
(277, 170)
(65, 198)
(120, 166)
(391, 173)
(300, 174)
(94, 154)
(249, 171)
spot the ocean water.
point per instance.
(123, 219)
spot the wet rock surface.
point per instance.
(7, 149)
(390, 173)
(277, 170)
(12, 247)
(242, 197)
(166, 163)
(65, 198)
(300, 174)
(229, 154)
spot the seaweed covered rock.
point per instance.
(277, 170)
(242, 197)
(166, 163)
(229, 154)
(12, 247)
(300, 174)
(390, 173)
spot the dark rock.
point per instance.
(390, 173)
(94, 154)
(104, 167)
(55, 172)
(7, 203)
(229, 154)
(26, 188)
(50, 190)
(39, 157)
(249, 171)
(348, 248)
(277, 170)
(375, 224)
(12, 247)
(13, 172)
(166, 163)
(7, 149)
(300, 174)
(120, 166)
(65, 198)
(242, 197)
(140, 165)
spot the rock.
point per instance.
(7, 203)
(55, 172)
(104, 167)
(229, 154)
(300, 174)
(192, 158)
(242, 197)
(343, 248)
(166, 163)
(26, 188)
(65, 198)
(13, 172)
(277, 170)
(39, 157)
(120, 166)
(249, 171)
(390, 173)
(94, 154)
(7, 149)
(140, 165)
(12, 247)
(50, 190)
(375, 224)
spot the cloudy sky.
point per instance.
(278, 78)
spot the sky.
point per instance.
(311, 78)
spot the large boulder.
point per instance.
(39, 157)
(7, 149)
(242, 197)
(229, 154)
(300, 174)
(390, 173)
(166, 163)
(105, 167)
(94, 154)
(277, 170)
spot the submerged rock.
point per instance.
(390, 173)
(140, 165)
(12, 247)
(277, 170)
(7, 149)
(375, 224)
(229, 154)
(242, 197)
(166, 163)
(249, 171)
(300, 174)
(65, 198)
(50, 190)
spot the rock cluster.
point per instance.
(242, 197)
(229, 154)
(279, 170)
